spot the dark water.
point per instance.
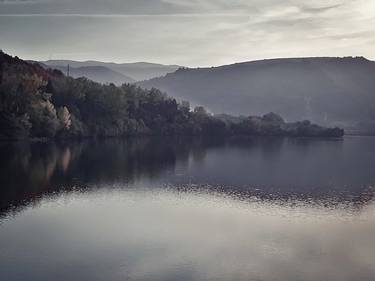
(188, 209)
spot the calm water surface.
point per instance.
(188, 209)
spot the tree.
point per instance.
(273, 118)
(44, 103)
(200, 110)
(64, 117)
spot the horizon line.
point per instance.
(196, 66)
(215, 66)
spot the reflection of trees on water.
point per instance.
(30, 171)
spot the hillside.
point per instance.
(99, 74)
(328, 91)
(136, 71)
(43, 103)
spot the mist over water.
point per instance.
(188, 209)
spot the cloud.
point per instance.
(163, 6)
(20, 2)
(317, 10)
(188, 32)
(126, 7)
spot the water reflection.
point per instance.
(269, 168)
(148, 234)
(188, 209)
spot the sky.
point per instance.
(186, 32)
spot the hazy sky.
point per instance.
(186, 32)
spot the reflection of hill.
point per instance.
(269, 168)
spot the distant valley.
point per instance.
(107, 72)
(99, 74)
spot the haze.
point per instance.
(186, 32)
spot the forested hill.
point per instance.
(40, 103)
(328, 91)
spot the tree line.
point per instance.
(40, 103)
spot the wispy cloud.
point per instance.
(321, 9)
(188, 32)
(21, 2)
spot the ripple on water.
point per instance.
(165, 234)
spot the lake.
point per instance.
(272, 209)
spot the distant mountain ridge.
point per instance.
(99, 74)
(137, 71)
(327, 90)
(42, 103)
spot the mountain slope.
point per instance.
(329, 91)
(138, 71)
(44, 103)
(99, 74)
